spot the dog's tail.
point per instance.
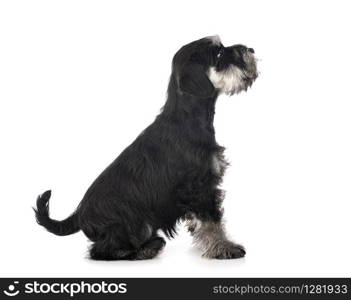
(65, 227)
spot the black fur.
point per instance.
(165, 175)
(65, 227)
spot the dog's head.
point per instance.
(205, 67)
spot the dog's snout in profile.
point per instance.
(242, 49)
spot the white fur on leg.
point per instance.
(211, 239)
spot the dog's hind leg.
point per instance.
(151, 248)
(101, 250)
(112, 244)
(118, 244)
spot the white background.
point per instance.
(79, 80)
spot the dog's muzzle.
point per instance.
(235, 79)
(250, 60)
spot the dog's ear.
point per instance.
(194, 81)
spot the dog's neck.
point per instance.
(190, 112)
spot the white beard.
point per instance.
(229, 81)
(233, 80)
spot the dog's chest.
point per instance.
(219, 164)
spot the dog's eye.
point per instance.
(220, 53)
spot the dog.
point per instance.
(173, 169)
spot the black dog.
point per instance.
(172, 170)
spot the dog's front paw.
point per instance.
(225, 250)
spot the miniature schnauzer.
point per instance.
(171, 172)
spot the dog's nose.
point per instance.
(251, 50)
